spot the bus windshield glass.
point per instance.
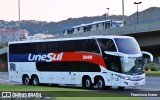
(117, 24)
(133, 66)
(127, 45)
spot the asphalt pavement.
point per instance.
(4, 78)
(152, 84)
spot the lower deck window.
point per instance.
(68, 66)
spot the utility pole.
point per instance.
(19, 17)
(108, 13)
(19, 14)
(123, 11)
(137, 3)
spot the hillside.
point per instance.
(33, 26)
(149, 15)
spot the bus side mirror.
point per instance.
(150, 55)
(126, 58)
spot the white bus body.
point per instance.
(104, 61)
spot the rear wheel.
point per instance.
(101, 83)
(87, 83)
(35, 80)
(26, 80)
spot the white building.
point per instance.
(12, 35)
(43, 36)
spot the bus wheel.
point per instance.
(101, 83)
(35, 80)
(121, 88)
(26, 80)
(87, 83)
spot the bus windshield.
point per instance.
(127, 45)
(133, 66)
(117, 24)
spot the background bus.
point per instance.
(97, 25)
(104, 61)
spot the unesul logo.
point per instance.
(45, 57)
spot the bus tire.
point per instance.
(26, 80)
(100, 83)
(87, 83)
(121, 87)
(35, 80)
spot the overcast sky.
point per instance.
(57, 10)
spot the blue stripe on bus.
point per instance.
(25, 57)
(18, 57)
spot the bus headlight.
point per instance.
(127, 78)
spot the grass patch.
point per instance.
(153, 73)
(67, 93)
(7, 87)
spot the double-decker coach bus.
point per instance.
(104, 61)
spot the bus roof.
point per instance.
(72, 38)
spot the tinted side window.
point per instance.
(107, 45)
(113, 63)
(26, 48)
(68, 66)
(89, 45)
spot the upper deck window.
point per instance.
(127, 45)
(87, 45)
(107, 45)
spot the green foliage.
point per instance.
(153, 66)
(153, 73)
(1, 46)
